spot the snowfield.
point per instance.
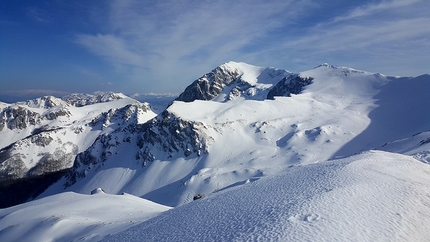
(374, 196)
(75, 217)
(343, 157)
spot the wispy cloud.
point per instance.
(169, 37)
(374, 8)
(36, 92)
(390, 37)
(111, 47)
(356, 36)
(39, 15)
(164, 43)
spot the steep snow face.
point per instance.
(233, 80)
(374, 196)
(71, 217)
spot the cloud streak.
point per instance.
(34, 92)
(374, 8)
(111, 47)
(352, 36)
(174, 35)
(383, 37)
(174, 42)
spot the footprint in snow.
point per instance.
(310, 217)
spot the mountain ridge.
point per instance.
(43, 136)
(225, 84)
(257, 128)
(335, 135)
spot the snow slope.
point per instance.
(374, 196)
(75, 217)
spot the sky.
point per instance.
(58, 47)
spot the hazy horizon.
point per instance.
(61, 47)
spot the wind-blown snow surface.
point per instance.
(71, 217)
(374, 196)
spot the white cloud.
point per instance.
(34, 92)
(171, 43)
(373, 8)
(114, 48)
(353, 36)
(166, 38)
(391, 37)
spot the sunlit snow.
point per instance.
(344, 160)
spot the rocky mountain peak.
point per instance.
(80, 99)
(45, 102)
(289, 85)
(231, 80)
(210, 84)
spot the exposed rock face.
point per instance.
(62, 158)
(2, 124)
(11, 166)
(44, 134)
(79, 99)
(232, 80)
(122, 116)
(15, 164)
(45, 102)
(41, 139)
(54, 114)
(98, 191)
(166, 133)
(198, 196)
(209, 85)
(289, 85)
(17, 117)
(172, 134)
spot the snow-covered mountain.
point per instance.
(43, 136)
(232, 80)
(70, 216)
(240, 125)
(81, 99)
(201, 146)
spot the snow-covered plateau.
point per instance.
(329, 154)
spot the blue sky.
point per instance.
(59, 47)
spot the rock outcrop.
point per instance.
(289, 85)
